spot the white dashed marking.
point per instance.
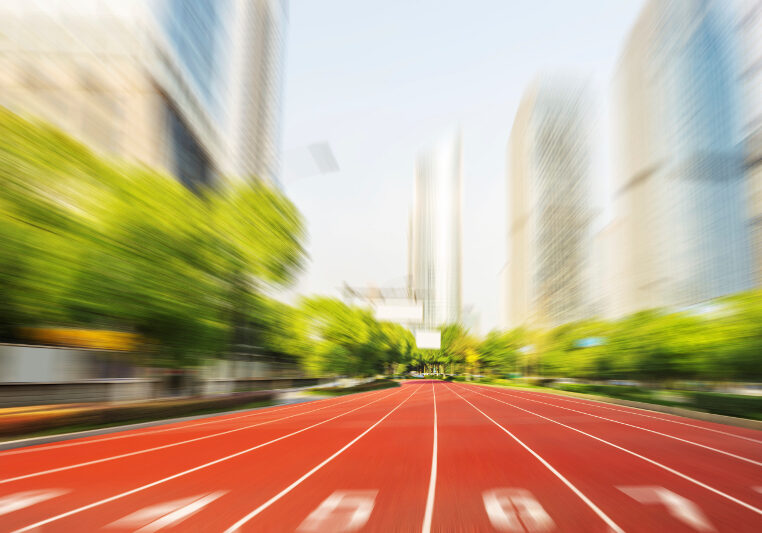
(516, 510)
(344, 510)
(679, 507)
(165, 514)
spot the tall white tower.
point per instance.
(256, 86)
(436, 232)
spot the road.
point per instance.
(426, 456)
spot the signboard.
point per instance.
(588, 342)
(401, 313)
(430, 339)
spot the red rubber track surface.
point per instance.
(506, 460)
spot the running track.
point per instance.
(426, 456)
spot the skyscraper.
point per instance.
(435, 249)
(550, 214)
(191, 87)
(679, 180)
(256, 86)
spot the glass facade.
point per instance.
(196, 32)
(681, 182)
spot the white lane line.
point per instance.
(190, 424)
(729, 454)
(635, 454)
(121, 495)
(433, 479)
(640, 412)
(603, 516)
(155, 448)
(296, 483)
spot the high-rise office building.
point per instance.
(679, 179)
(435, 245)
(191, 87)
(550, 214)
(257, 87)
(80, 66)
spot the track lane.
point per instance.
(477, 457)
(602, 469)
(531, 449)
(733, 475)
(209, 422)
(731, 439)
(389, 468)
(145, 478)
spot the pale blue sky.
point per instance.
(379, 79)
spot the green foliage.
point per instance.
(85, 241)
(719, 342)
(342, 340)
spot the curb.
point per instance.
(667, 409)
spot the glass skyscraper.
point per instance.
(550, 215)
(679, 179)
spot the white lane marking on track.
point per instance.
(185, 472)
(20, 500)
(296, 483)
(680, 508)
(512, 509)
(729, 454)
(155, 448)
(191, 424)
(635, 454)
(640, 412)
(433, 478)
(603, 516)
(344, 510)
(165, 514)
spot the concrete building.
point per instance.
(435, 246)
(81, 69)
(547, 277)
(259, 37)
(188, 87)
(678, 166)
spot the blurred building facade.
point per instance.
(750, 31)
(548, 275)
(256, 86)
(435, 233)
(173, 84)
(80, 69)
(682, 234)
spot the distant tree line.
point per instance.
(93, 243)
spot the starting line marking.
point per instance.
(679, 507)
(517, 510)
(20, 500)
(165, 514)
(344, 510)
